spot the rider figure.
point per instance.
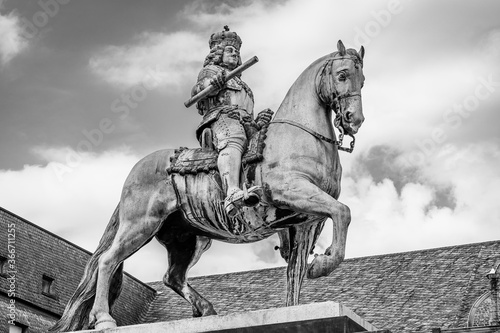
(225, 111)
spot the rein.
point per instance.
(319, 136)
(308, 130)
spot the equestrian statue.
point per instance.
(251, 178)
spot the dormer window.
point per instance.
(47, 286)
(3, 266)
(485, 310)
(17, 328)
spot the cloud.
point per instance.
(397, 207)
(12, 41)
(214, 13)
(226, 258)
(79, 207)
(405, 107)
(489, 46)
(268, 29)
(170, 59)
(63, 206)
(411, 81)
(452, 199)
(287, 36)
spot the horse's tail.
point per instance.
(76, 313)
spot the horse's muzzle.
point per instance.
(355, 124)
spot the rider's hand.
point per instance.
(219, 80)
(264, 117)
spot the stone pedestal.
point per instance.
(316, 317)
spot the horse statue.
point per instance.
(298, 170)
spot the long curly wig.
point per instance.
(215, 56)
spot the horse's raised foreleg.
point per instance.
(183, 253)
(302, 196)
(324, 264)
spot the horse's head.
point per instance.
(339, 88)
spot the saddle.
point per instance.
(199, 188)
(197, 160)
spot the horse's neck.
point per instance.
(302, 104)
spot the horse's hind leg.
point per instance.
(137, 226)
(183, 253)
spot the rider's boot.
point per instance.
(229, 164)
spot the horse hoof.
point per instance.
(105, 322)
(102, 325)
(322, 265)
(210, 312)
(318, 267)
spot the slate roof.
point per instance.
(404, 292)
(40, 253)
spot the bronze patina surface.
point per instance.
(298, 182)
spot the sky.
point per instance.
(87, 88)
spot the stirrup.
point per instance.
(251, 196)
(238, 198)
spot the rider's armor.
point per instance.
(228, 112)
(223, 110)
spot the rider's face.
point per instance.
(230, 57)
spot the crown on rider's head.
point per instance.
(225, 38)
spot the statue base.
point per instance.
(315, 317)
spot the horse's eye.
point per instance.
(342, 77)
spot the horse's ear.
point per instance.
(362, 52)
(341, 48)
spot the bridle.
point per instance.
(333, 101)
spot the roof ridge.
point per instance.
(485, 243)
(45, 230)
(242, 272)
(435, 286)
(8, 212)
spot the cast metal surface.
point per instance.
(300, 180)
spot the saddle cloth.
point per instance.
(200, 194)
(196, 160)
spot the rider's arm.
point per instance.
(210, 74)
